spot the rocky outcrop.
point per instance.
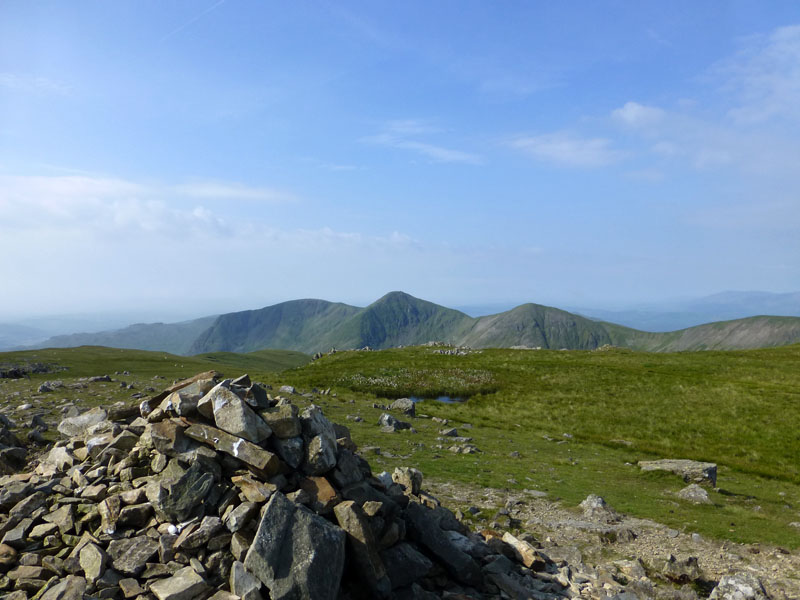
(216, 489)
(692, 471)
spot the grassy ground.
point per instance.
(738, 409)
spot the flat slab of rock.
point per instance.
(130, 556)
(235, 446)
(78, 426)
(692, 471)
(296, 553)
(183, 585)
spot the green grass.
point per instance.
(738, 409)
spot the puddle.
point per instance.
(445, 399)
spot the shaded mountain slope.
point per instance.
(739, 334)
(304, 325)
(176, 338)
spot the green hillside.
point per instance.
(303, 325)
(739, 334)
(536, 326)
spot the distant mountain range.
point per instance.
(400, 319)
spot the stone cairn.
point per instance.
(215, 489)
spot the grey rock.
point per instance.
(129, 556)
(320, 455)
(235, 446)
(692, 471)
(405, 406)
(740, 586)
(296, 554)
(595, 508)
(405, 564)
(694, 493)
(244, 584)
(409, 478)
(69, 588)
(291, 450)
(234, 415)
(78, 426)
(240, 516)
(283, 420)
(681, 571)
(93, 561)
(185, 584)
(364, 548)
(350, 468)
(179, 499)
(13, 492)
(209, 527)
(423, 528)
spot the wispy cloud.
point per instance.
(404, 135)
(35, 84)
(107, 204)
(765, 77)
(634, 114)
(570, 150)
(232, 191)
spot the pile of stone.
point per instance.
(216, 489)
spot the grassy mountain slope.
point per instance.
(303, 325)
(175, 338)
(536, 326)
(398, 319)
(739, 334)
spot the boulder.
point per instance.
(283, 420)
(739, 586)
(234, 415)
(79, 426)
(361, 541)
(424, 529)
(404, 405)
(296, 553)
(595, 508)
(695, 494)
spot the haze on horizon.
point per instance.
(199, 157)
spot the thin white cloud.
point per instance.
(402, 135)
(32, 84)
(104, 205)
(232, 191)
(567, 149)
(765, 77)
(634, 114)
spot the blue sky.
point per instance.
(204, 156)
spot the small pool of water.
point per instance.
(445, 399)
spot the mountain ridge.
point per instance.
(399, 319)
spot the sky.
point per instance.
(204, 156)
